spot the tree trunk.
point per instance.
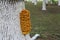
(32, 1)
(43, 5)
(58, 2)
(35, 2)
(51, 2)
(9, 21)
(47, 1)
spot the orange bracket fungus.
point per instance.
(25, 21)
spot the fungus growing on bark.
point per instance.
(25, 21)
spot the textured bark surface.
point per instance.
(9, 21)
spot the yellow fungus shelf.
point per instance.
(25, 21)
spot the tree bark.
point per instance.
(9, 21)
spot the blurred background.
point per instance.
(45, 22)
